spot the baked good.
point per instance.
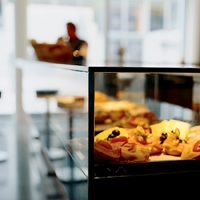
(144, 138)
(106, 134)
(100, 96)
(191, 149)
(136, 145)
(134, 153)
(173, 145)
(103, 152)
(108, 106)
(118, 110)
(113, 145)
(140, 144)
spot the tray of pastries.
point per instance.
(164, 141)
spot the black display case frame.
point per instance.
(110, 185)
(133, 179)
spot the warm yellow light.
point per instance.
(76, 53)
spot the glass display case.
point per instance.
(112, 131)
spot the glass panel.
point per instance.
(144, 118)
(134, 16)
(57, 101)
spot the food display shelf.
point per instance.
(76, 133)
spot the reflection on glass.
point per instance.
(59, 101)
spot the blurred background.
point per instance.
(118, 32)
(140, 31)
(147, 30)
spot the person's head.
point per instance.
(71, 30)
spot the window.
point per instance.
(157, 15)
(115, 15)
(134, 15)
(174, 14)
(1, 14)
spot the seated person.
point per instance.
(76, 45)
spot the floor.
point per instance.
(74, 182)
(25, 174)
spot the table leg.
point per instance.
(54, 153)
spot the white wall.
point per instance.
(192, 35)
(163, 46)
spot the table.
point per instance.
(53, 153)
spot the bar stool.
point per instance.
(53, 152)
(3, 154)
(69, 174)
(70, 103)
